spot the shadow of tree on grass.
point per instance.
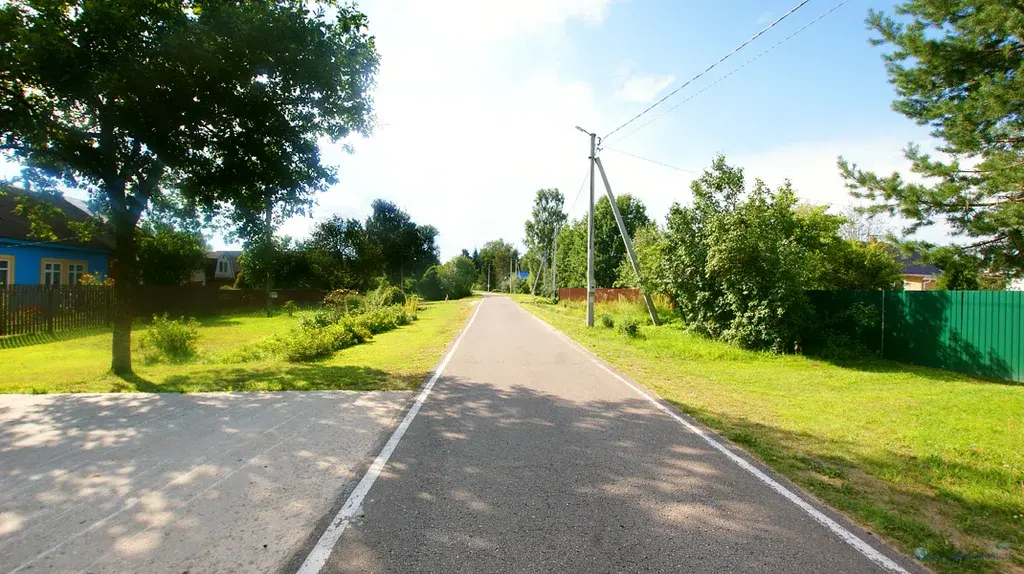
(916, 501)
(273, 377)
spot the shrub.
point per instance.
(290, 308)
(607, 321)
(346, 300)
(307, 345)
(172, 339)
(429, 287)
(629, 327)
(322, 318)
(329, 330)
(383, 296)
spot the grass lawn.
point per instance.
(396, 360)
(929, 459)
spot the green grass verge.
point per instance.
(929, 459)
(396, 360)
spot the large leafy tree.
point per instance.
(571, 257)
(406, 249)
(609, 250)
(958, 67)
(219, 98)
(495, 258)
(342, 254)
(738, 262)
(169, 256)
(547, 216)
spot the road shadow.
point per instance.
(495, 478)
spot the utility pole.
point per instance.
(511, 258)
(590, 231)
(269, 237)
(554, 266)
(488, 277)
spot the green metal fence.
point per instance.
(974, 332)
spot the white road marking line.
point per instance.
(850, 538)
(322, 551)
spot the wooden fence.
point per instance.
(601, 295)
(26, 309)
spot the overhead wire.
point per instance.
(586, 176)
(745, 64)
(675, 167)
(709, 68)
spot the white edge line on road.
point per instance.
(850, 538)
(322, 551)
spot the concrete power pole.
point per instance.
(269, 237)
(590, 231)
(554, 266)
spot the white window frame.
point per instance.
(82, 267)
(8, 260)
(55, 266)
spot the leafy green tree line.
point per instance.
(217, 104)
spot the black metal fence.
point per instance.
(26, 309)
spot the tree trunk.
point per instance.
(124, 291)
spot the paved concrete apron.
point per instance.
(213, 482)
(529, 457)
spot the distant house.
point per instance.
(26, 260)
(222, 268)
(918, 275)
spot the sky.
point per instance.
(476, 104)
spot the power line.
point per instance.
(652, 161)
(744, 65)
(582, 184)
(708, 69)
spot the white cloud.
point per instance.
(468, 131)
(642, 89)
(763, 18)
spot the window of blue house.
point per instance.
(52, 272)
(75, 272)
(6, 270)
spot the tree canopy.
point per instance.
(546, 218)
(407, 249)
(956, 66)
(214, 98)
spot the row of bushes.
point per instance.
(346, 319)
(328, 330)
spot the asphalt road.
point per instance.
(529, 455)
(211, 482)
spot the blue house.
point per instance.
(26, 260)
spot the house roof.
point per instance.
(14, 226)
(232, 255)
(914, 265)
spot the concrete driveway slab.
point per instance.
(212, 482)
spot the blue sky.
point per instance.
(476, 103)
